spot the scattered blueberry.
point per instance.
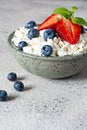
(33, 33)
(21, 45)
(30, 24)
(19, 86)
(3, 95)
(12, 76)
(49, 33)
(46, 50)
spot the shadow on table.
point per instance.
(28, 87)
(21, 77)
(11, 97)
(81, 75)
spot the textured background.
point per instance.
(45, 104)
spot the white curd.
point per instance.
(60, 48)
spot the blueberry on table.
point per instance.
(30, 24)
(32, 33)
(22, 44)
(49, 33)
(12, 76)
(3, 95)
(19, 86)
(46, 50)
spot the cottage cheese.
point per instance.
(60, 48)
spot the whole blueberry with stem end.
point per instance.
(12, 76)
(30, 24)
(22, 44)
(32, 33)
(49, 33)
(46, 50)
(3, 95)
(19, 86)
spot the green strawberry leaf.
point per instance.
(63, 11)
(80, 21)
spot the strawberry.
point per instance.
(68, 30)
(50, 22)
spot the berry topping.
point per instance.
(68, 31)
(21, 45)
(83, 29)
(67, 26)
(50, 22)
(19, 86)
(46, 50)
(49, 33)
(33, 33)
(30, 24)
(12, 76)
(3, 95)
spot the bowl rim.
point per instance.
(51, 58)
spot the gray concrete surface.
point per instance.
(45, 104)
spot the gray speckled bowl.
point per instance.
(49, 67)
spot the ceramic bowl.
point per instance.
(49, 67)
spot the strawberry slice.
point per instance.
(50, 22)
(68, 31)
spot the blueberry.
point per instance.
(19, 86)
(32, 33)
(21, 45)
(30, 24)
(12, 76)
(49, 33)
(3, 95)
(82, 29)
(46, 50)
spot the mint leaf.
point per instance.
(70, 15)
(79, 21)
(63, 11)
(74, 8)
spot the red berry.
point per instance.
(68, 31)
(50, 22)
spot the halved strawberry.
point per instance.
(68, 31)
(50, 22)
